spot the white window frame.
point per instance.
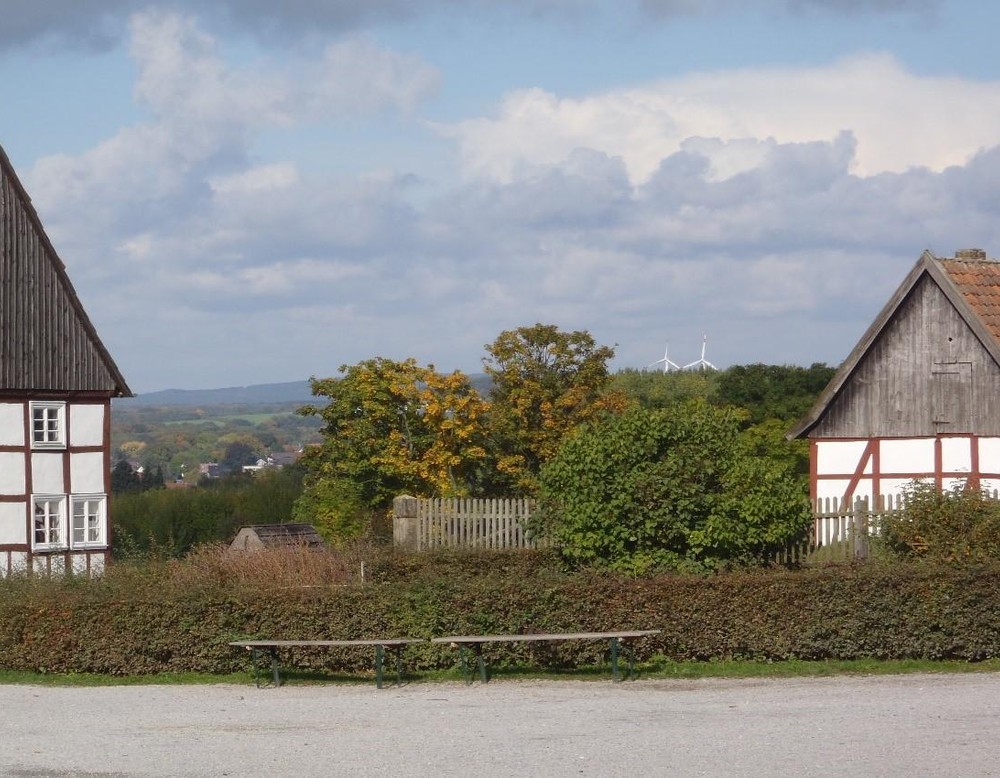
(52, 436)
(93, 517)
(58, 528)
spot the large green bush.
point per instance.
(678, 488)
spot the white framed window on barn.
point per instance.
(87, 528)
(49, 523)
(48, 424)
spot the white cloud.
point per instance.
(900, 119)
(773, 209)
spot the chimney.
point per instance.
(971, 255)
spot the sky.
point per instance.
(249, 192)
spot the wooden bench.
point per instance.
(258, 648)
(618, 639)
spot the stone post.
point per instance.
(405, 526)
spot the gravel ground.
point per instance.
(912, 725)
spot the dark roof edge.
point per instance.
(926, 264)
(121, 386)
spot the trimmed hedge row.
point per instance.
(140, 621)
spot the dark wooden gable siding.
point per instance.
(47, 342)
(927, 373)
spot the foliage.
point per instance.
(960, 525)
(391, 428)
(656, 389)
(179, 616)
(668, 489)
(545, 383)
(170, 522)
(783, 392)
(336, 508)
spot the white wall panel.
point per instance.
(956, 455)
(47, 473)
(909, 455)
(18, 562)
(12, 475)
(989, 455)
(11, 424)
(13, 528)
(86, 425)
(834, 487)
(86, 473)
(839, 457)
(989, 485)
(950, 484)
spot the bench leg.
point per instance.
(274, 668)
(482, 664)
(617, 649)
(379, 663)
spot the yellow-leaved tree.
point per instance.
(389, 428)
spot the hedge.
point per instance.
(156, 618)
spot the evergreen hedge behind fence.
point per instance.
(164, 618)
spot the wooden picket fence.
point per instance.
(841, 530)
(420, 524)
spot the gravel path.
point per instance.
(908, 725)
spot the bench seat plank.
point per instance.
(638, 633)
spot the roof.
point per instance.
(48, 342)
(969, 280)
(279, 535)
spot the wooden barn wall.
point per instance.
(926, 374)
(44, 345)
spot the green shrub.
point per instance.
(960, 525)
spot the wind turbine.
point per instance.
(701, 364)
(667, 364)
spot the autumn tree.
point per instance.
(390, 428)
(545, 383)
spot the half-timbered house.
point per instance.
(919, 396)
(56, 384)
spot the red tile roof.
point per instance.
(979, 283)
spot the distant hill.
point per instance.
(290, 392)
(258, 394)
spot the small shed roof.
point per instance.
(969, 280)
(262, 536)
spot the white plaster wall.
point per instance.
(86, 425)
(989, 455)
(12, 475)
(839, 457)
(910, 455)
(11, 424)
(86, 473)
(956, 455)
(950, 484)
(79, 563)
(13, 527)
(990, 485)
(47, 473)
(834, 488)
(896, 486)
(18, 562)
(96, 564)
